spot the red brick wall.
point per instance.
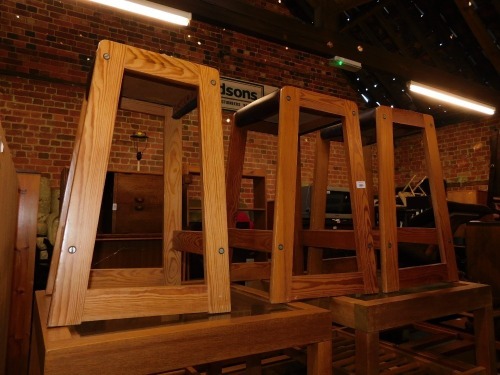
(45, 54)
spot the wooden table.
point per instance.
(371, 314)
(158, 344)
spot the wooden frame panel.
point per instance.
(393, 277)
(72, 302)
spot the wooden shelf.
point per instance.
(128, 236)
(257, 213)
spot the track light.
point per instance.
(150, 9)
(450, 98)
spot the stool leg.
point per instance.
(234, 171)
(172, 185)
(438, 197)
(367, 347)
(318, 201)
(284, 209)
(365, 254)
(298, 249)
(387, 203)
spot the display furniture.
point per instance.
(9, 200)
(159, 344)
(257, 211)
(369, 315)
(493, 195)
(289, 113)
(418, 292)
(144, 81)
(382, 125)
(19, 331)
(482, 256)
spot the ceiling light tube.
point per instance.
(150, 9)
(450, 98)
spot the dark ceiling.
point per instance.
(449, 44)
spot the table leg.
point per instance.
(485, 341)
(367, 347)
(319, 358)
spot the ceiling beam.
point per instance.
(482, 36)
(349, 4)
(240, 16)
(326, 14)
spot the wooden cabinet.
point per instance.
(23, 274)
(468, 196)
(130, 222)
(483, 258)
(132, 203)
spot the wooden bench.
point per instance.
(369, 315)
(159, 344)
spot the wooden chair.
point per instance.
(299, 112)
(154, 83)
(379, 125)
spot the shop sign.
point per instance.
(236, 94)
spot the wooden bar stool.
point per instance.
(141, 80)
(380, 125)
(289, 113)
(420, 292)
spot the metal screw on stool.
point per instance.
(288, 97)
(72, 249)
(106, 56)
(221, 251)
(280, 247)
(212, 82)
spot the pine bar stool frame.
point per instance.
(124, 293)
(419, 293)
(290, 104)
(393, 277)
(382, 120)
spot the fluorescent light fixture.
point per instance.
(450, 98)
(149, 9)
